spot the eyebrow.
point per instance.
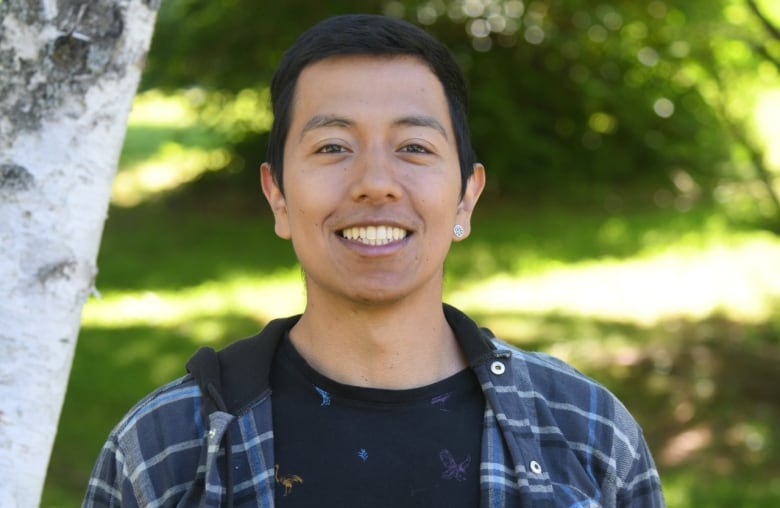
(320, 121)
(422, 121)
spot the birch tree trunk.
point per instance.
(68, 73)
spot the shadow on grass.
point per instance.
(155, 247)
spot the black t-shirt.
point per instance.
(345, 446)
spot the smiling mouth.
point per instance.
(374, 235)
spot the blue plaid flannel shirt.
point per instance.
(552, 438)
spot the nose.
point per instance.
(375, 177)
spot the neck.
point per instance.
(396, 346)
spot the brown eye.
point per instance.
(331, 149)
(414, 148)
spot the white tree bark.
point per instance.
(68, 73)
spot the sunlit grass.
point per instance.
(174, 165)
(257, 297)
(154, 108)
(738, 279)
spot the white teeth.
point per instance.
(374, 235)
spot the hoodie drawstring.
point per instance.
(220, 403)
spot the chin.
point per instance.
(377, 298)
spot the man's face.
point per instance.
(371, 179)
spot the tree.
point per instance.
(69, 73)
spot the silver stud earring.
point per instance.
(458, 231)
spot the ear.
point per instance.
(277, 201)
(474, 187)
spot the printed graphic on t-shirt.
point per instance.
(286, 481)
(440, 401)
(452, 468)
(362, 447)
(325, 396)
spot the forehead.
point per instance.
(375, 83)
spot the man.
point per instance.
(378, 395)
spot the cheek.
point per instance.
(303, 220)
(443, 206)
(309, 216)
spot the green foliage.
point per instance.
(572, 101)
(577, 107)
(232, 44)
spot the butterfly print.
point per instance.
(452, 468)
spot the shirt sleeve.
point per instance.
(109, 485)
(640, 485)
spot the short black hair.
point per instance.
(367, 34)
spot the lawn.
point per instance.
(676, 312)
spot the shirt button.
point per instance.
(212, 433)
(536, 468)
(497, 368)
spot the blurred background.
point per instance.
(631, 223)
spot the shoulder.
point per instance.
(551, 377)
(545, 367)
(169, 416)
(155, 438)
(572, 401)
(572, 413)
(170, 400)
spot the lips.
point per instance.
(374, 235)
